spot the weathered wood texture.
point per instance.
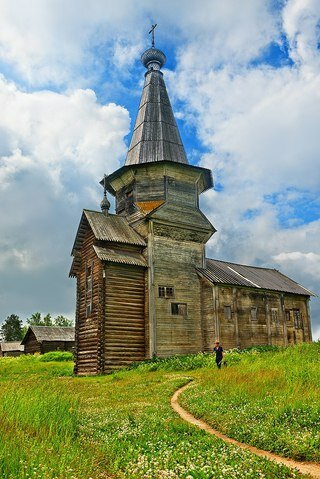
(88, 326)
(124, 336)
(207, 316)
(11, 353)
(32, 346)
(174, 266)
(257, 318)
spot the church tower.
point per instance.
(157, 191)
(144, 285)
(138, 290)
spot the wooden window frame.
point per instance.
(166, 292)
(179, 309)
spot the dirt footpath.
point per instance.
(311, 468)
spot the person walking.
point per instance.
(218, 351)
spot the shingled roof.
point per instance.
(51, 333)
(111, 228)
(124, 257)
(155, 135)
(223, 272)
(11, 346)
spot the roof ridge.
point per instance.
(240, 264)
(100, 212)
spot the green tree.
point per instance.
(11, 330)
(62, 321)
(47, 320)
(37, 320)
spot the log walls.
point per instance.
(89, 310)
(124, 330)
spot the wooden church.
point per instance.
(144, 285)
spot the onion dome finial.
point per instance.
(153, 58)
(105, 204)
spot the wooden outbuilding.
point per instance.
(42, 339)
(144, 285)
(11, 348)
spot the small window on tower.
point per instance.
(89, 279)
(166, 292)
(227, 312)
(169, 292)
(287, 314)
(162, 292)
(179, 309)
(88, 309)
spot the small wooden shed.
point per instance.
(11, 348)
(42, 339)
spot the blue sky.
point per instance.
(245, 88)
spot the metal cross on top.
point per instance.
(152, 32)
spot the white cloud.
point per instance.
(56, 42)
(260, 126)
(68, 137)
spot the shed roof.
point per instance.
(223, 272)
(111, 228)
(124, 257)
(51, 333)
(11, 346)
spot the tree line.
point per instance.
(13, 328)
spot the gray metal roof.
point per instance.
(250, 276)
(111, 228)
(11, 346)
(51, 333)
(115, 256)
(155, 136)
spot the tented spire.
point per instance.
(155, 136)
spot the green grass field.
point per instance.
(54, 425)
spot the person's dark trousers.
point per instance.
(219, 363)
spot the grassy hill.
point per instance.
(54, 425)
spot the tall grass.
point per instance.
(39, 429)
(56, 426)
(270, 400)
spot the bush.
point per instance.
(56, 356)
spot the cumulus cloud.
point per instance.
(257, 121)
(55, 147)
(59, 134)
